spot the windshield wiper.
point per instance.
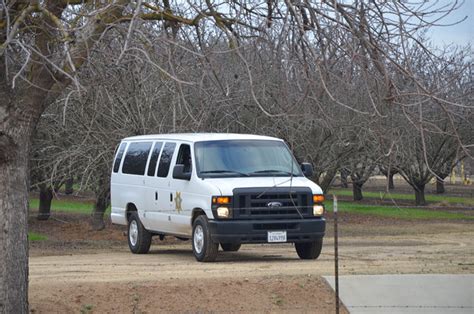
(272, 170)
(225, 171)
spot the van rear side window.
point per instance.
(165, 160)
(118, 158)
(154, 159)
(136, 157)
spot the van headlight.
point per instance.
(318, 210)
(223, 212)
(222, 206)
(318, 207)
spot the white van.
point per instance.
(225, 189)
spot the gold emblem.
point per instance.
(178, 201)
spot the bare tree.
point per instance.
(389, 173)
(48, 142)
(44, 44)
(432, 141)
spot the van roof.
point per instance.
(201, 137)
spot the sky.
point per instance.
(460, 34)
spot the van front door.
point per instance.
(182, 204)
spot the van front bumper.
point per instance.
(256, 231)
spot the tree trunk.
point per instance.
(344, 175)
(357, 191)
(420, 195)
(45, 198)
(100, 206)
(69, 188)
(20, 109)
(14, 174)
(439, 185)
(391, 186)
(326, 181)
(19, 115)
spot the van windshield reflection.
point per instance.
(245, 158)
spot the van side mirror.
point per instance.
(307, 169)
(178, 173)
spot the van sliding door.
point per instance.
(158, 185)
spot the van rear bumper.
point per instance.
(256, 231)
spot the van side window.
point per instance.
(184, 157)
(118, 157)
(136, 157)
(154, 159)
(165, 159)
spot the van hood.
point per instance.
(227, 185)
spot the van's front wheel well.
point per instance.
(196, 213)
(129, 210)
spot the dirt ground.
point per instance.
(80, 270)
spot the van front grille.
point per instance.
(272, 203)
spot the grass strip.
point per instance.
(32, 236)
(408, 197)
(395, 212)
(68, 206)
(81, 207)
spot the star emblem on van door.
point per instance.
(178, 200)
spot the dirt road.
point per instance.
(259, 278)
(447, 253)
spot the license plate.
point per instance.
(276, 236)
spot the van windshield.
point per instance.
(244, 158)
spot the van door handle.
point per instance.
(171, 197)
(156, 195)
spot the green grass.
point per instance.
(395, 212)
(86, 308)
(67, 206)
(32, 236)
(408, 197)
(377, 210)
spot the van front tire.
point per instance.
(309, 250)
(203, 248)
(139, 239)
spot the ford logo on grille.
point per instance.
(274, 204)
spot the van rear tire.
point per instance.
(230, 247)
(203, 248)
(139, 239)
(309, 250)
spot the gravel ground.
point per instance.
(80, 270)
